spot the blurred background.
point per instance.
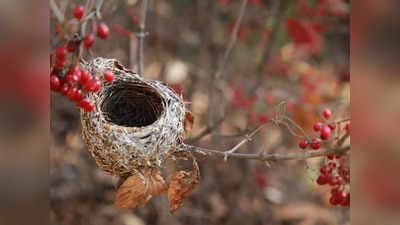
(186, 43)
(293, 51)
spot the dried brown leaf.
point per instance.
(137, 189)
(181, 186)
(188, 123)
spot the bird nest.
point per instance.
(135, 123)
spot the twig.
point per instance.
(232, 42)
(98, 7)
(59, 15)
(244, 141)
(206, 131)
(273, 37)
(269, 157)
(141, 36)
(216, 93)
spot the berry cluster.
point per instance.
(324, 130)
(334, 172)
(66, 77)
(75, 83)
(337, 175)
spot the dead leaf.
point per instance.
(188, 123)
(137, 189)
(181, 186)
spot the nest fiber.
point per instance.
(135, 123)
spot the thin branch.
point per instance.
(59, 15)
(141, 36)
(232, 42)
(98, 7)
(206, 131)
(215, 94)
(273, 37)
(244, 141)
(269, 157)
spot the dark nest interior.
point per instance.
(131, 104)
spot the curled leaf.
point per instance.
(137, 189)
(181, 186)
(188, 123)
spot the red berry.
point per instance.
(89, 40)
(89, 107)
(263, 118)
(71, 46)
(341, 195)
(347, 127)
(75, 70)
(92, 85)
(89, 85)
(71, 77)
(85, 76)
(61, 52)
(325, 170)
(86, 104)
(317, 126)
(78, 95)
(334, 191)
(327, 113)
(135, 19)
(346, 201)
(58, 30)
(330, 157)
(71, 93)
(339, 179)
(97, 86)
(332, 164)
(333, 200)
(64, 89)
(321, 180)
(79, 11)
(54, 83)
(303, 144)
(332, 180)
(109, 76)
(315, 143)
(332, 126)
(103, 31)
(325, 132)
(60, 63)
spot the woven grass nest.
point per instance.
(135, 126)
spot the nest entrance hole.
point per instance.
(131, 104)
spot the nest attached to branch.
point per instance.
(135, 126)
(136, 123)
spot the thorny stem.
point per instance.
(59, 15)
(142, 35)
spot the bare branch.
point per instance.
(269, 157)
(206, 131)
(98, 7)
(59, 15)
(141, 36)
(232, 42)
(216, 93)
(244, 141)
